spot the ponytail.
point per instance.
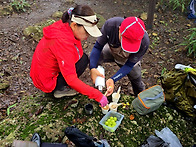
(81, 10)
(67, 15)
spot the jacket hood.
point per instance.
(58, 30)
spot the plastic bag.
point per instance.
(102, 143)
(153, 141)
(168, 136)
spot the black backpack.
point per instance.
(79, 138)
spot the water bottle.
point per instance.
(100, 82)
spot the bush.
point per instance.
(190, 42)
(176, 4)
(20, 5)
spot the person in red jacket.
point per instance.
(59, 60)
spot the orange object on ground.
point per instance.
(131, 117)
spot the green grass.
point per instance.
(176, 4)
(52, 121)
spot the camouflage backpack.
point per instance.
(180, 90)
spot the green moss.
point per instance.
(36, 31)
(57, 14)
(6, 10)
(53, 119)
(4, 84)
(101, 20)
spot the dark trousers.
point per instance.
(81, 65)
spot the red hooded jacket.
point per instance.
(58, 51)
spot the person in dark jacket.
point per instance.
(124, 41)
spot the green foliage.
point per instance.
(190, 42)
(20, 5)
(176, 4)
(163, 71)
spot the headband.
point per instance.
(85, 20)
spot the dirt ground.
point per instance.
(16, 50)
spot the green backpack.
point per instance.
(149, 100)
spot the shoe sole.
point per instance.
(64, 94)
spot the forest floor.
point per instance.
(16, 50)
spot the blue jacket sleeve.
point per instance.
(123, 71)
(95, 55)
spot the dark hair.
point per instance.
(80, 10)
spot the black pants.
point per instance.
(81, 65)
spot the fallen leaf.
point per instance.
(39, 111)
(70, 103)
(131, 117)
(144, 16)
(154, 34)
(74, 121)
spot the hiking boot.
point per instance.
(191, 16)
(66, 91)
(37, 139)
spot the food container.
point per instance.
(105, 109)
(107, 116)
(115, 97)
(114, 106)
(88, 108)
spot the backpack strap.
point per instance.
(153, 98)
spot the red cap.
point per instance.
(132, 31)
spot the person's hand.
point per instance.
(94, 73)
(103, 101)
(110, 87)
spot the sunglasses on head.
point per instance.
(93, 23)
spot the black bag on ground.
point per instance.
(79, 138)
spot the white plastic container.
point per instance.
(114, 106)
(105, 109)
(100, 82)
(115, 97)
